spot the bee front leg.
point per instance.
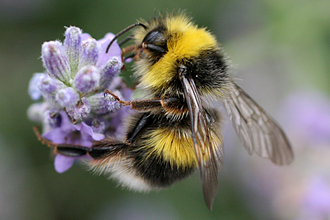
(170, 104)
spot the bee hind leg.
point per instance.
(99, 149)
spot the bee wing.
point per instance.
(209, 157)
(258, 132)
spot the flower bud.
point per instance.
(52, 119)
(90, 53)
(34, 91)
(103, 103)
(87, 79)
(80, 111)
(110, 70)
(48, 85)
(72, 45)
(67, 97)
(55, 61)
(36, 111)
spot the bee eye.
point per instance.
(155, 44)
(155, 40)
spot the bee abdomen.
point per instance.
(157, 171)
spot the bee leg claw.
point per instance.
(116, 97)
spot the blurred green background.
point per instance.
(276, 48)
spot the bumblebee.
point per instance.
(175, 129)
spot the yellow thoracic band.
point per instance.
(184, 41)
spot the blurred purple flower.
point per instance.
(301, 190)
(316, 201)
(34, 91)
(309, 113)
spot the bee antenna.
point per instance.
(123, 32)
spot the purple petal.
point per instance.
(56, 135)
(85, 37)
(84, 138)
(118, 119)
(66, 124)
(98, 136)
(85, 129)
(63, 163)
(114, 51)
(52, 119)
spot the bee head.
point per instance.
(165, 44)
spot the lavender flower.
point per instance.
(310, 112)
(75, 109)
(76, 69)
(48, 86)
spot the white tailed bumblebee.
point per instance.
(175, 130)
